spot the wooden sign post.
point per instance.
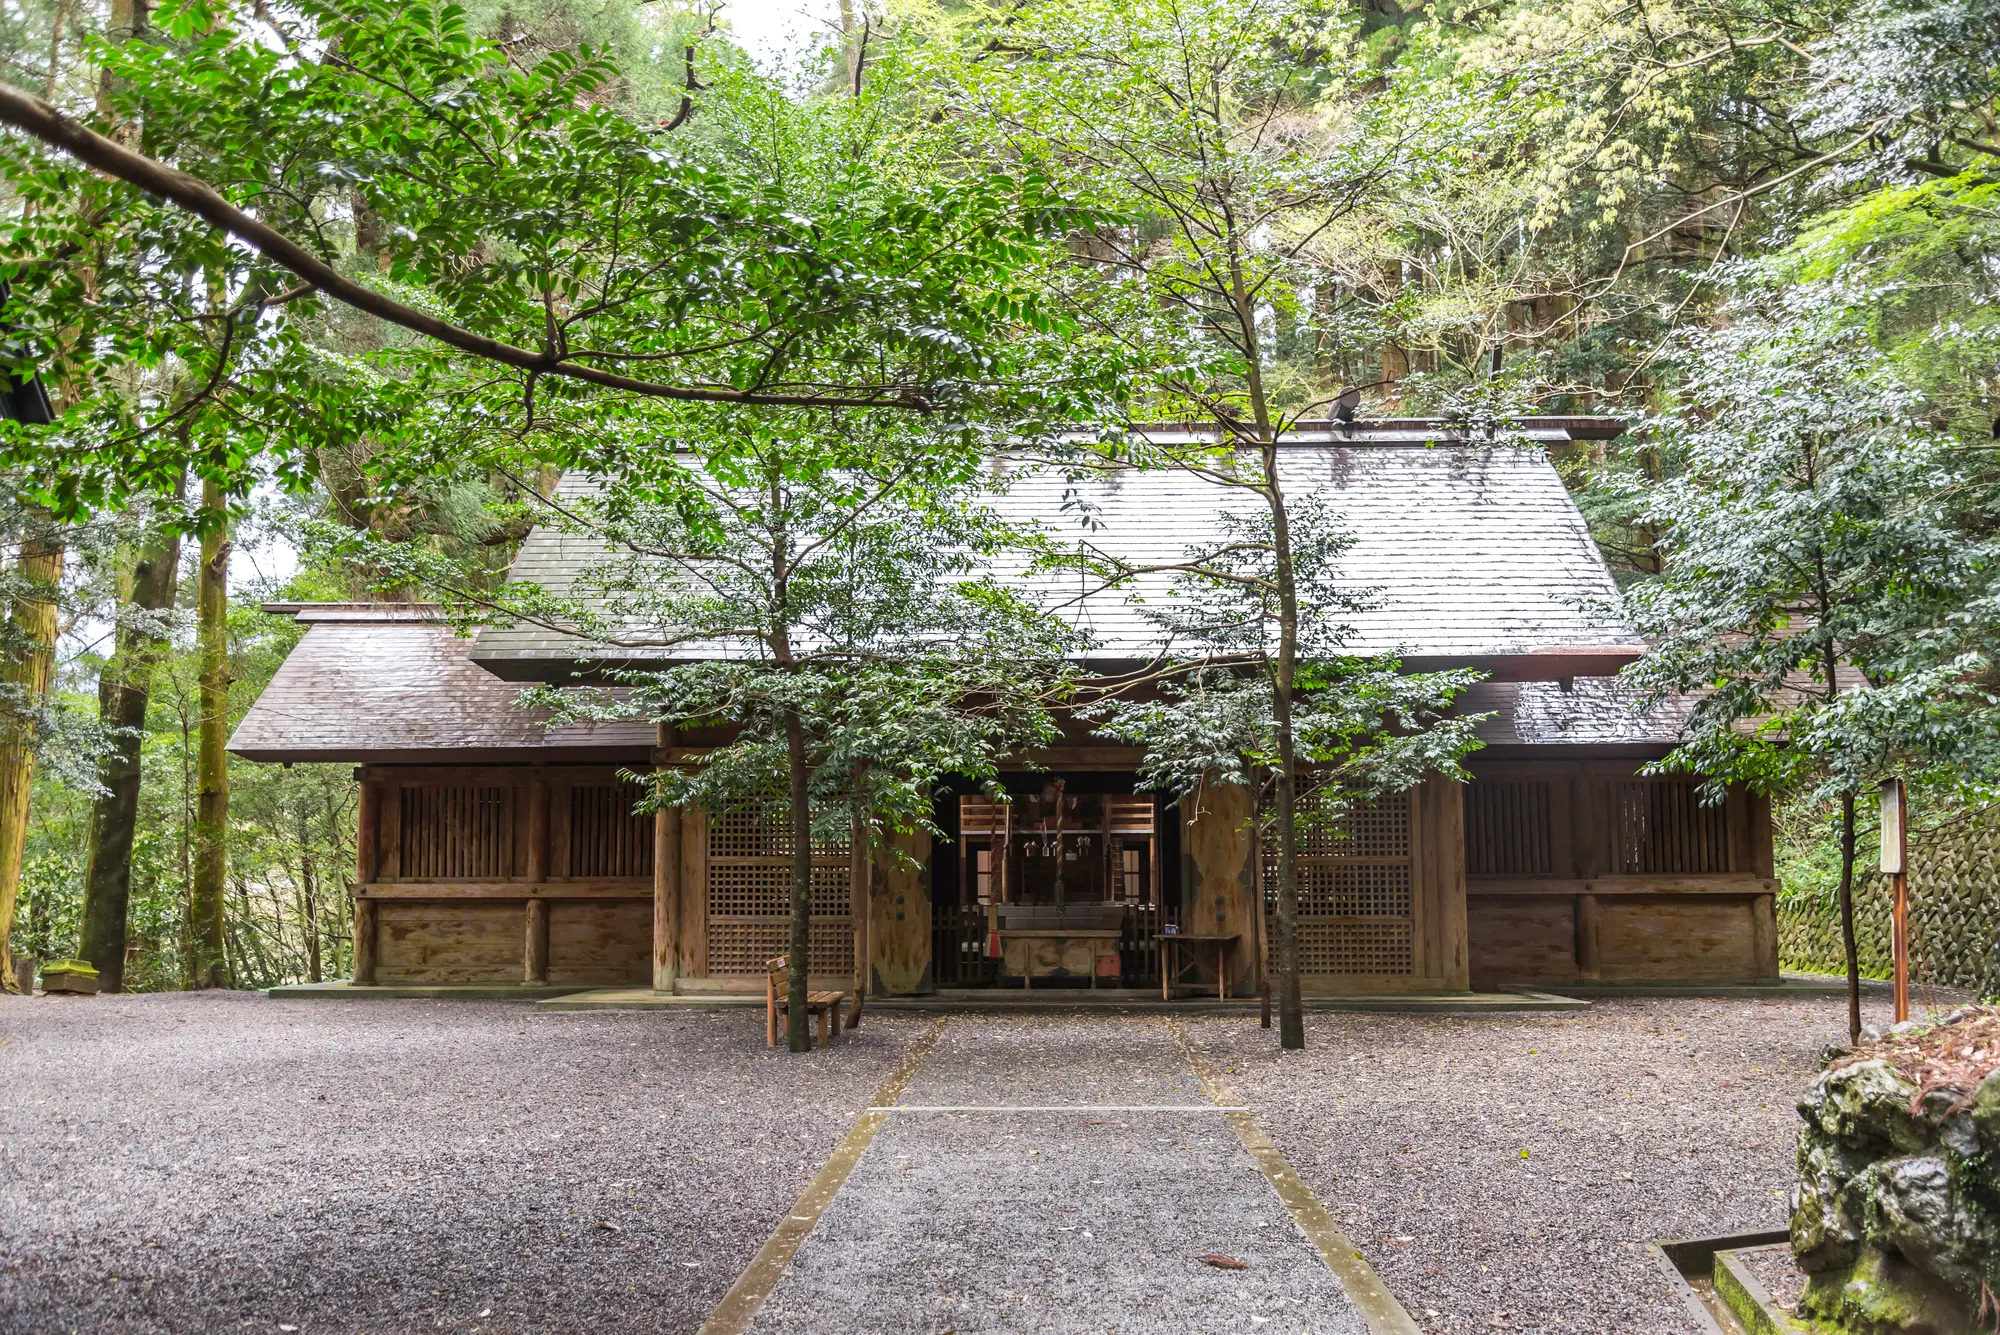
(1895, 864)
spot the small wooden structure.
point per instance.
(494, 849)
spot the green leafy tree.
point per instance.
(1819, 572)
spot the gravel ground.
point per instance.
(1501, 1173)
(1056, 1223)
(197, 1163)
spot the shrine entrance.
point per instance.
(1055, 888)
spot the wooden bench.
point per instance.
(826, 1005)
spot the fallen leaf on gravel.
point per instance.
(1524, 1154)
(608, 1226)
(1221, 1262)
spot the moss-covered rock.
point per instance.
(1896, 1217)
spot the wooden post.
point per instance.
(535, 949)
(694, 894)
(1589, 963)
(538, 830)
(364, 940)
(368, 831)
(666, 880)
(1764, 935)
(389, 866)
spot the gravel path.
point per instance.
(197, 1163)
(1501, 1172)
(1056, 1223)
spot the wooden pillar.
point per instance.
(535, 949)
(1442, 848)
(1219, 884)
(368, 832)
(389, 864)
(694, 894)
(1589, 961)
(900, 907)
(538, 830)
(364, 941)
(1764, 935)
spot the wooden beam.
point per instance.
(390, 864)
(535, 949)
(1729, 884)
(666, 884)
(364, 942)
(368, 831)
(635, 888)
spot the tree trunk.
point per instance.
(1283, 669)
(798, 1024)
(1847, 917)
(211, 851)
(26, 672)
(123, 692)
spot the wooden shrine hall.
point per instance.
(496, 849)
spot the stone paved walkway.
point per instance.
(1070, 1180)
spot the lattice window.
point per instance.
(750, 891)
(1507, 829)
(457, 834)
(607, 839)
(1356, 888)
(1659, 826)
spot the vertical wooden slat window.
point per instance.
(1507, 829)
(1660, 827)
(607, 839)
(750, 894)
(457, 834)
(1356, 888)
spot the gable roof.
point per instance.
(1473, 551)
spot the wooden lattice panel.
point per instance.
(1356, 888)
(1659, 826)
(750, 895)
(607, 838)
(1507, 829)
(456, 834)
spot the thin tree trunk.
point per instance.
(798, 1024)
(309, 889)
(1284, 670)
(123, 692)
(1847, 917)
(211, 852)
(33, 621)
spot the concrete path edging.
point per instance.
(1371, 1297)
(739, 1307)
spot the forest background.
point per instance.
(1584, 207)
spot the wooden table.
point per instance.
(1171, 962)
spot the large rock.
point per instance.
(1896, 1218)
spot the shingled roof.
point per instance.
(390, 683)
(1473, 551)
(395, 684)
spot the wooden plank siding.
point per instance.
(503, 874)
(1588, 871)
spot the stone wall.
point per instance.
(1954, 911)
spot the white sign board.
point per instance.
(1892, 827)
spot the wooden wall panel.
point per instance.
(1710, 938)
(1521, 940)
(605, 941)
(448, 941)
(1219, 887)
